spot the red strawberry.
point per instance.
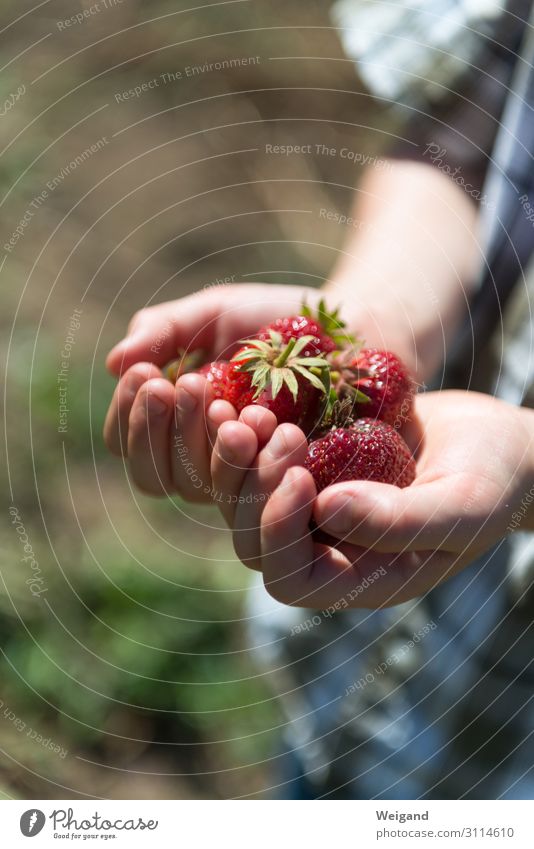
(367, 450)
(273, 375)
(325, 329)
(297, 326)
(229, 383)
(386, 381)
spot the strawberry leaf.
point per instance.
(277, 381)
(305, 310)
(300, 345)
(258, 344)
(358, 396)
(311, 362)
(291, 382)
(260, 375)
(310, 376)
(276, 338)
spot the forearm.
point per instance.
(523, 518)
(408, 272)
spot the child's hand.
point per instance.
(167, 432)
(474, 485)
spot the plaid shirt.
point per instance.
(432, 698)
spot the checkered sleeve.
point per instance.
(443, 67)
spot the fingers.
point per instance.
(141, 424)
(389, 519)
(148, 437)
(218, 413)
(303, 573)
(235, 450)
(211, 320)
(297, 570)
(287, 447)
(118, 415)
(157, 333)
(287, 547)
(383, 580)
(190, 441)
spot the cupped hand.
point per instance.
(376, 544)
(166, 431)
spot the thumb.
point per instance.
(156, 334)
(389, 519)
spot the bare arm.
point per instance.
(408, 272)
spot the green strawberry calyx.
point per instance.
(345, 374)
(339, 413)
(273, 365)
(185, 362)
(330, 322)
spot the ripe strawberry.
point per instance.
(325, 329)
(367, 450)
(273, 375)
(229, 383)
(384, 378)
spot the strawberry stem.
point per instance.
(284, 356)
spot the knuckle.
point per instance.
(252, 563)
(193, 496)
(282, 591)
(243, 546)
(190, 484)
(154, 488)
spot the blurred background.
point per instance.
(124, 666)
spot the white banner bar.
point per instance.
(264, 824)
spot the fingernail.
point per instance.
(278, 445)
(155, 406)
(185, 402)
(338, 514)
(133, 384)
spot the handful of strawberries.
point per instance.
(348, 400)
